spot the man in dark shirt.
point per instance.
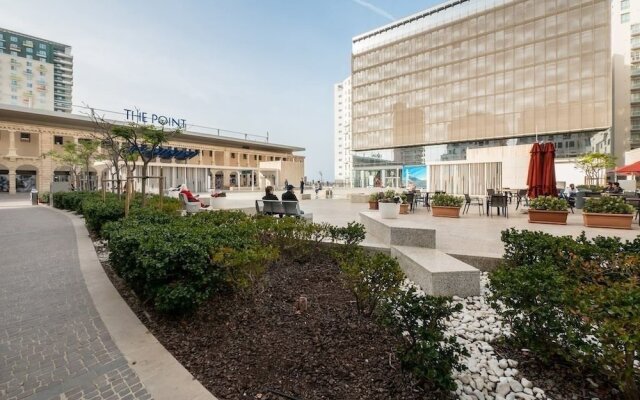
(289, 195)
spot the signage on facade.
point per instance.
(151, 118)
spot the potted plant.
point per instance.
(548, 210)
(404, 205)
(389, 205)
(607, 212)
(373, 201)
(446, 205)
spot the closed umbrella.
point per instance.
(534, 176)
(549, 170)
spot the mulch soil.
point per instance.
(258, 347)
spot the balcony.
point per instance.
(635, 29)
(62, 61)
(61, 54)
(635, 113)
(635, 71)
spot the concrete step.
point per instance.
(403, 231)
(437, 273)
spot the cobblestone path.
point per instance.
(53, 344)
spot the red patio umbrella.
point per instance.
(630, 169)
(534, 175)
(549, 170)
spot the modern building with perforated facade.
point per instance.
(475, 74)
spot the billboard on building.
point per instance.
(416, 174)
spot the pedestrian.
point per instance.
(301, 186)
(286, 183)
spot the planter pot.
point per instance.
(445, 211)
(548, 217)
(373, 205)
(389, 210)
(618, 221)
(404, 208)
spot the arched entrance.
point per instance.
(26, 178)
(4, 179)
(218, 182)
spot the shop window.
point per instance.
(25, 137)
(58, 140)
(233, 155)
(244, 156)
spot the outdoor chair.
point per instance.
(522, 195)
(491, 192)
(190, 207)
(499, 202)
(469, 201)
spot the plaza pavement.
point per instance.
(65, 333)
(469, 235)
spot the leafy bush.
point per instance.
(97, 212)
(43, 197)
(426, 352)
(573, 298)
(607, 205)
(373, 197)
(390, 196)
(549, 203)
(446, 200)
(371, 278)
(350, 235)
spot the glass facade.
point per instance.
(482, 71)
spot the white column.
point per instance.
(12, 146)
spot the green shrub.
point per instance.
(350, 235)
(390, 196)
(549, 203)
(573, 298)
(98, 212)
(607, 205)
(427, 353)
(371, 278)
(43, 197)
(446, 200)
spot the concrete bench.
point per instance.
(283, 208)
(358, 198)
(397, 231)
(305, 196)
(437, 273)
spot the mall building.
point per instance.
(463, 89)
(202, 161)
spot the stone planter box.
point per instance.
(548, 217)
(445, 211)
(373, 205)
(389, 210)
(617, 221)
(404, 208)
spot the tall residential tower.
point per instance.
(35, 73)
(342, 132)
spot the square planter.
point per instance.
(548, 217)
(389, 210)
(404, 208)
(444, 211)
(617, 221)
(373, 205)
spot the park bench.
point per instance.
(281, 208)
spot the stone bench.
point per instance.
(437, 273)
(359, 198)
(305, 196)
(397, 231)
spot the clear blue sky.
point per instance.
(244, 65)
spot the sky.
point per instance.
(252, 66)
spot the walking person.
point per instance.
(301, 186)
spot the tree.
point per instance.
(78, 157)
(143, 141)
(115, 150)
(594, 164)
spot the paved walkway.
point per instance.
(53, 343)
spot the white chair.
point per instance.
(190, 207)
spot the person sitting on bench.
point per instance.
(290, 196)
(190, 197)
(270, 196)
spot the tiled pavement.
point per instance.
(53, 344)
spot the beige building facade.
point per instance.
(215, 162)
(484, 73)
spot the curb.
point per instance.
(161, 374)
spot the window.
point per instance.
(244, 156)
(233, 155)
(255, 157)
(25, 137)
(624, 4)
(58, 140)
(29, 50)
(14, 39)
(624, 18)
(42, 46)
(210, 153)
(14, 53)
